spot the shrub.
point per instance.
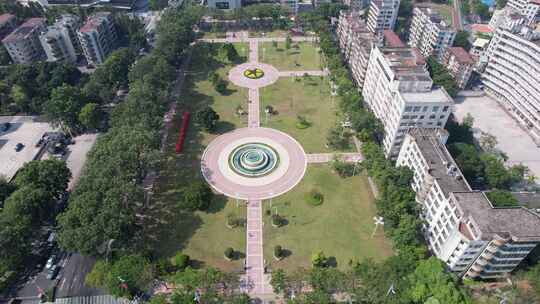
(229, 253)
(344, 169)
(319, 260)
(302, 122)
(314, 198)
(164, 267)
(277, 220)
(278, 252)
(180, 261)
(221, 86)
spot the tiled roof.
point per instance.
(461, 55)
(22, 31)
(391, 39)
(93, 22)
(5, 18)
(481, 28)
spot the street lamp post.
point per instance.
(378, 221)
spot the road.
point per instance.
(457, 19)
(70, 280)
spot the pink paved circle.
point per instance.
(236, 75)
(228, 185)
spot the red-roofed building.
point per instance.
(23, 43)
(460, 64)
(481, 28)
(98, 37)
(8, 23)
(390, 39)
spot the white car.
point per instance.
(50, 262)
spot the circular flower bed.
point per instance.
(255, 73)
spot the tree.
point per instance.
(128, 276)
(196, 196)
(20, 97)
(97, 277)
(430, 280)
(278, 281)
(32, 201)
(501, 4)
(442, 77)
(338, 139)
(288, 42)
(89, 116)
(462, 40)
(207, 118)
(63, 107)
(319, 260)
(6, 188)
(495, 173)
(221, 86)
(502, 198)
(180, 261)
(229, 52)
(468, 160)
(51, 175)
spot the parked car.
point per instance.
(19, 147)
(51, 262)
(5, 126)
(53, 272)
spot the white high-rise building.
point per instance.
(98, 37)
(400, 93)
(60, 40)
(382, 15)
(528, 8)
(513, 72)
(430, 33)
(355, 42)
(461, 226)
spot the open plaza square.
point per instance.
(267, 153)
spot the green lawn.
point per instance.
(305, 57)
(202, 235)
(445, 10)
(341, 227)
(310, 99)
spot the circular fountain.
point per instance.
(253, 159)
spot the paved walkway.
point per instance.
(318, 158)
(253, 109)
(255, 281)
(257, 40)
(302, 73)
(253, 51)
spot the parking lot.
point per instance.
(491, 118)
(25, 132)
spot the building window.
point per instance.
(425, 109)
(416, 109)
(435, 108)
(408, 108)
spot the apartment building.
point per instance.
(60, 40)
(117, 4)
(460, 64)
(98, 37)
(430, 33)
(355, 42)
(23, 43)
(400, 92)
(8, 23)
(512, 73)
(528, 8)
(382, 15)
(461, 226)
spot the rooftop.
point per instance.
(392, 40)
(94, 21)
(4, 18)
(480, 42)
(461, 55)
(441, 165)
(481, 28)
(24, 29)
(126, 4)
(516, 223)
